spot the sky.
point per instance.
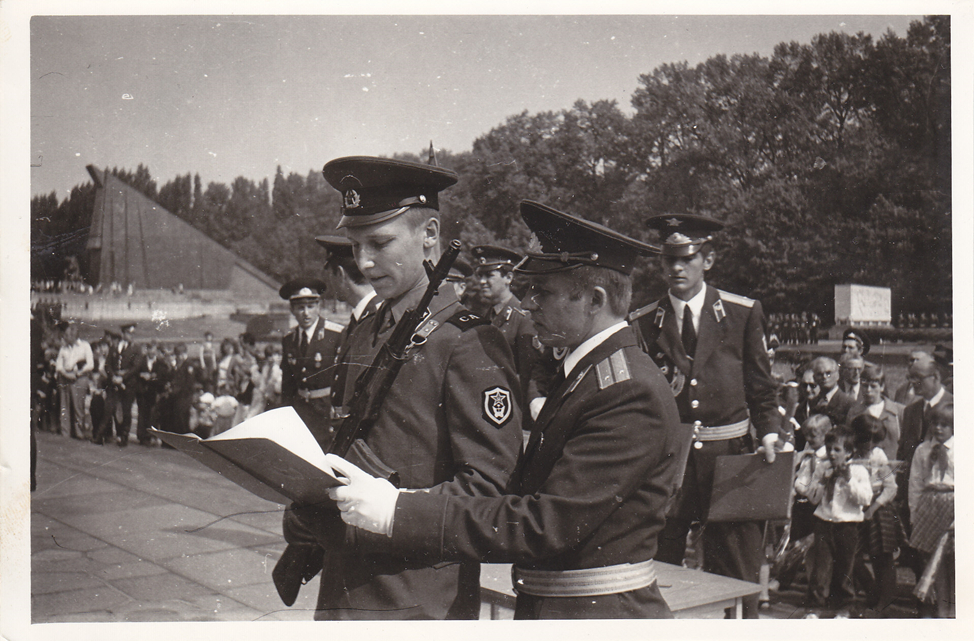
(228, 96)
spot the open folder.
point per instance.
(272, 455)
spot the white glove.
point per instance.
(767, 446)
(366, 502)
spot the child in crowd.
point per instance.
(931, 499)
(815, 428)
(840, 488)
(881, 531)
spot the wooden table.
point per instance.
(691, 594)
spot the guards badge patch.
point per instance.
(497, 406)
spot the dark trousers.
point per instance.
(834, 554)
(124, 399)
(100, 427)
(147, 406)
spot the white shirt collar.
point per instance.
(696, 306)
(310, 333)
(937, 397)
(359, 309)
(590, 343)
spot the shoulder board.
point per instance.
(331, 326)
(737, 299)
(642, 311)
(613, 369)
(465, 319)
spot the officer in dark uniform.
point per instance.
(123, 365)
(495, 272)
(352, 287)
(308, 361)
(710, 344)
(450, 423)
(588, 499)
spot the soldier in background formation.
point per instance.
(795, 329)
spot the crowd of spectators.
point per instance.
(92, 391)
(874, 482)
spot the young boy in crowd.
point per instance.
(840, 488)
(931, 498)
(815, 428)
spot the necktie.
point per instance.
(689, 335)
(939, 459)
(304, 343)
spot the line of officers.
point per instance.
(561, 432)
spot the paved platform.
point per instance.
(148, 534)
(141, 534)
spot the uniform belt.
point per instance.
(308, 394)
(612, 579)
(721, 432)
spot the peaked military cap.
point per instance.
(459, 271)
(491, 257)
(568, 242)
(335, 247)
(853, 334)
(684, 234)
(302, 288)
(375, 190)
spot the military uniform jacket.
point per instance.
(590, 490)
(311, 370)
(124, 363)
(516, 325)
(340, 371)
(450, 423)
(729, 378)
(159, 375)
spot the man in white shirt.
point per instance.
(74, 361)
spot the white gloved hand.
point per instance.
(767, 446)
(366, 502)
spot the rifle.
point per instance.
(301, 562)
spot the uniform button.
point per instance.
(693, 382)
(694, 403)
(698, 423)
